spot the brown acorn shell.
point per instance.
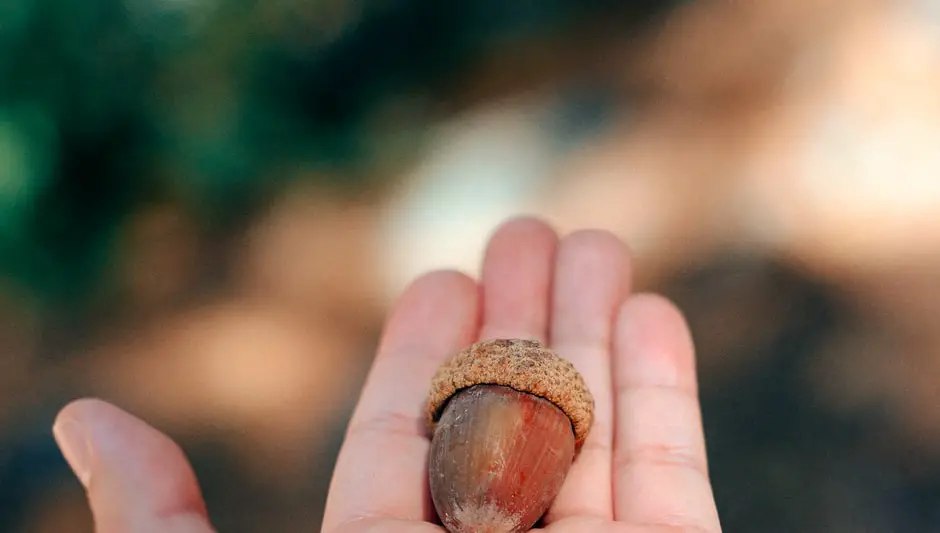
(524, 365)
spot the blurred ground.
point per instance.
(208, 207)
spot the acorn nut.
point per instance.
(507, 419)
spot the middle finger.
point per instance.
(517, 280)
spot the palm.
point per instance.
(641, 470)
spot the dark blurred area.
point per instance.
(207, 207)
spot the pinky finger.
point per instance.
(660, 475)
(136, 478)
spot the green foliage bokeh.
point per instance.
(106, 105)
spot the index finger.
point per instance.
(381, 469)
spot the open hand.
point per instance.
(642, 469)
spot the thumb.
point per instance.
(136, 478)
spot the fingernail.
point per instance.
(73, 442)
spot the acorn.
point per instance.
(507, 419)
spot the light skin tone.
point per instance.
(642, 469)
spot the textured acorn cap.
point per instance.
(524, 365)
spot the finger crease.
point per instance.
(390, 423)
(662, 455)
(680, 527)
(596, 446)
(624, 389)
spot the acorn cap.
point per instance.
(524, 365)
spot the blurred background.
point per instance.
(207, 207)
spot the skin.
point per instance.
(642, 470)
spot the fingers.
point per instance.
(591, 280)
(388, 525)
(136, 478)
(517, 280)
(381, 469)
(660, 470)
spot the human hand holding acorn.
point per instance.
(554, 398)
(546, 395)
